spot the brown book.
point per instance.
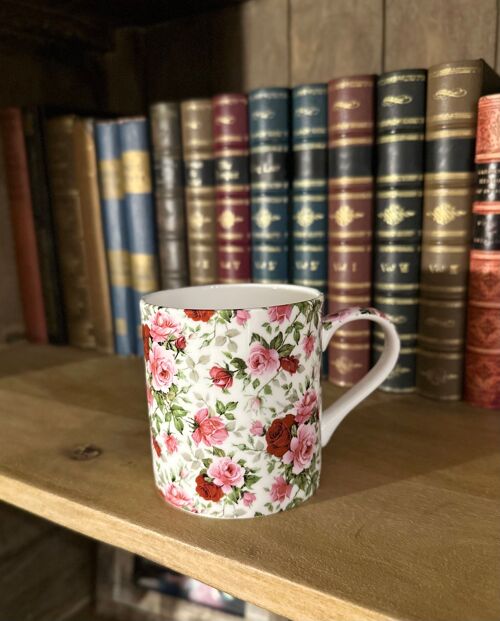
(23, 227)
(69, 230)
(197, 144)
(93, 237)
(165, 120)
(11, 312)
(351, 114)
(452, 97)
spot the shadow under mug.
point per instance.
(233, 381)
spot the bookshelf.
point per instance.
(403, 526)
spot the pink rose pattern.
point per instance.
(210, 430)
(212, 390)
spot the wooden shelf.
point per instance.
(405, 524)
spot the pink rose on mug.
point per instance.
(226, 473)
(210, 430)
(162, 326)
(161, 365)
(301, 449)
(262, 360)
(279, 313)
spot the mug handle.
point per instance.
(335, 414)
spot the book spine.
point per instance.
(169, 194)
(112, 197)
(198, 151)
(67, 212)
(482, 357)
(309, 260)
(269, 164)
(452, 96)
(42, 214)
(93, 237)
(11, 314)
(23, 226)
(398, 209)
(232, 180)
(351, 114)
(139, 213)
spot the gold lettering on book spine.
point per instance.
(119, 268)
(264, 218)
(144, 277)
(111, 179)
(345, 215)
(445, 213)
(447, 93)
(353, 104)
(344, 365)
(394, 214)
(136, 172)
(396, 100)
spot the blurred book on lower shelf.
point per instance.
(133, 588)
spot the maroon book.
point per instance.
(23, 225)
(351, 113)
(232, 180)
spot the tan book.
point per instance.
(11, 312)
(93, 237)
(69, 230)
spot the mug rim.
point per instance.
(307, 294)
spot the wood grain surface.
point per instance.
(332, 38)
(405, 524)
(423, 33)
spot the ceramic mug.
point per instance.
(234, 396)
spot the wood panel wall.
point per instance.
(288, 42)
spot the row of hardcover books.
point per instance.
(364, 187)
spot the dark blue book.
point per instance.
(115, 234)
(268, 110)
(309, 259)
(139, 212)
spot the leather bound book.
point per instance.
(398, 222)
(112, 197)
(44, 225)
(482, 358)
(23, 227)
(351, 114)
(199, 174)
(93, 237)
(68, 222)
(452, 96)
(232, 179)
(11, 313)
(169, 194)
(269, 164)
(139, 213)
(309, 260)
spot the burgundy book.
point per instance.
(232, 180)
(351, 112)
(23, 226)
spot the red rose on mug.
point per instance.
(156, 446)
(221, 377)
(180, 342)
(146, 333)
(279, 435)
(207, 490)
(290, 364)
(199, 315)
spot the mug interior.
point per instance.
(221, 297)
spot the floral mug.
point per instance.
(234, 396)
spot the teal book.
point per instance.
(115, 234)
(139, 212)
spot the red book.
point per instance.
(23, 226)
(232, 199)
(351, 113)
(482, 357)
